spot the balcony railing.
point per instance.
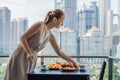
(113, 63)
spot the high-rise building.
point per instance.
(109, 23)
(115, 28)
(68, 42)
(94, 43)
(86, 21)
(14, 34)
(1, 36)
(118, 50)
(5, 17)
(104, 8)
(115, 42)
(87, 18)
(69, 7)
(22, 25)
(119, 15)
(94, 7)
(18, 27)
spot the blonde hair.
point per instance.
(58, 13)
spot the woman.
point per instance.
(32, 42)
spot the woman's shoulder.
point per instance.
(39, 23)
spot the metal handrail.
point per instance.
(74, 56)
(49, 56)
(114, 57)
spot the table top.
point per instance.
(58, 72)
(59, 75)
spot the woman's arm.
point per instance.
(59, 52)
(31, 31)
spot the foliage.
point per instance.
(2, 69)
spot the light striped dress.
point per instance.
(18, 65)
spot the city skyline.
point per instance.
(35, 12)
(93, 44)
(73, 43)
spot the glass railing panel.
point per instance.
(3, 64)
(95, 65)
(116, 69)
(2, 69)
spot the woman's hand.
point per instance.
(30, 57)
(75, 65)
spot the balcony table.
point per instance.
(59, 75)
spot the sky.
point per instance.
(33, 9)
(36, 10)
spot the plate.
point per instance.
(53, 68)
(67, 70)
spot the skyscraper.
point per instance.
(18, 27)
(14, 33)
(87, 18)
(119, 14)
(109, 22)
(69, 42)
(22, 25)
(69, 7)
(118, 50)
(94, 43)
(104, 7)
(5, 16)
(1, 35)
(94, 7)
